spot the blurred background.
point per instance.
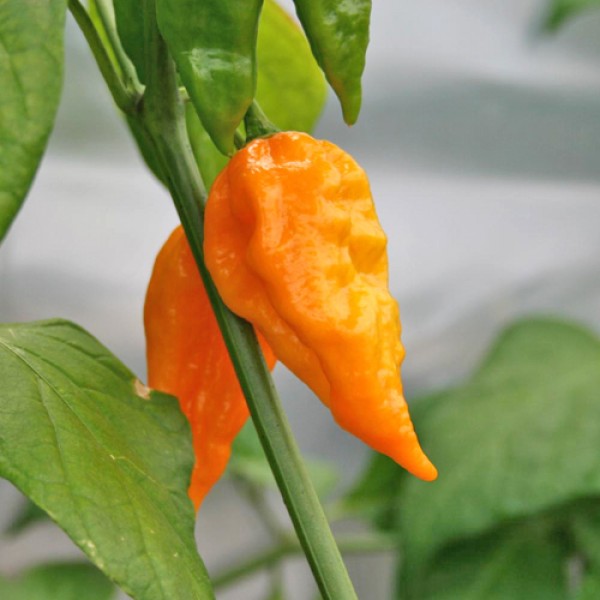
(481, 137)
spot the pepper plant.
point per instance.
(195, 81)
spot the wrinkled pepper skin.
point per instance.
(213, 43)
(187, 357)
(294, 246)
(338, 33)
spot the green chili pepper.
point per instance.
(338, 32)
(213, 43)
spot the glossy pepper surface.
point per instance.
(213, 43)
(294, 246)
(338, 33)
(187, 357)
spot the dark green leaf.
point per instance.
(523, 563)
(248, 462)
(213, 43)
(61, 581)
(521, 437)
(562, 11)
(31, 71)
(107, 460)
(129, 18)
(338, 33)
(586, 532)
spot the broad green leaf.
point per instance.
(109, 461)
(339, 35)
(248, 462)
(213, 44)
(523, 563)
(60, 581)
(31, 72)
(561, 11)
(290, 89)
(519, 438)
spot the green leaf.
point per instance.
(585, 526)
(60, 581)
(129, 17)
(107, 460)
(561, 11)
(248, 462)
(523, 563)
(290, 89)
(213, 44)
(590, 587)
(519, 438)
(31, 72)
(339, 35)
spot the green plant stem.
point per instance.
(124, 98)
(366, 544)
(164, 118)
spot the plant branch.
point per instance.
(164, 117)
(125, 99)
(365, 544)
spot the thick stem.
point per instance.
(163, 114)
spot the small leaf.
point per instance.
(248, 462)
(129, 18)
(590, 587)
(562, 11)
(213, 44)
(519, 438)
(106, 458)
(518, 564)
(31, 71)
(338, 33)
(60, 581)
(291, 89)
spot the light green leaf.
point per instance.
(590, 587)
(290, 89)
(31, 72)
(107, 460)
(561, 11)
(60, 581)
(248, 462)
(521, 437)
(523, 563)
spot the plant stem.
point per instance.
(125, 99)
(350, 545)
(163, 115)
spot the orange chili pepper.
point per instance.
(187, 357)
(294, 246)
